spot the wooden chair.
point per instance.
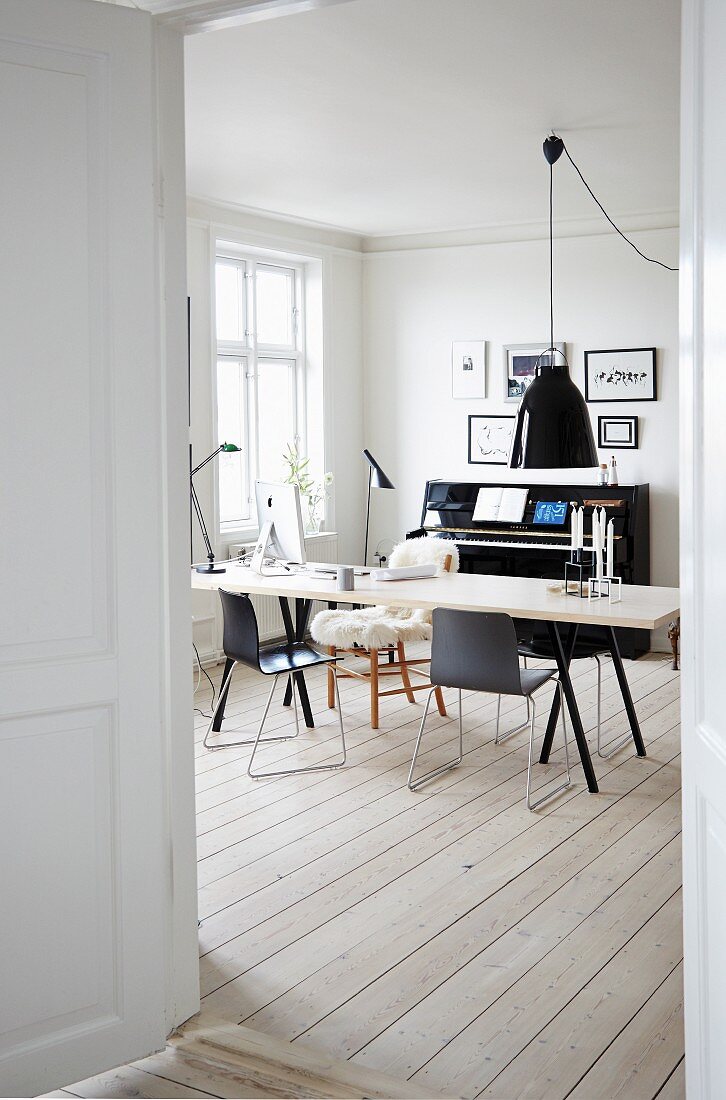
(379, 635)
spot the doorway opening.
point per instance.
(442, 939)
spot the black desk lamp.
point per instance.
(378, 479)
(210, 567)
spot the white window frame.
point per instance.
(254, 353)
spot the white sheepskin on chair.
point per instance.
(379, 627)
(370, 628)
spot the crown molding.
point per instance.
(197, 16)
(304, 230)
(281, 227)
(507, 232)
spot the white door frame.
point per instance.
(182, 994)
(702, 538)
(174, 19)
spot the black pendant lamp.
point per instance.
(553, 428)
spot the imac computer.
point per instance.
(281, 528)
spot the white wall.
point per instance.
(342, 419)
(417, 302)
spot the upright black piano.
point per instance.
(527, 549)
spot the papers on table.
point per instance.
(500, 504)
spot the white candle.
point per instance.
(597, 544)
(580, 528)
(573, 528)
(610, 540)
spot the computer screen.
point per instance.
(280, 505)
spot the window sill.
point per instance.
(239, 534)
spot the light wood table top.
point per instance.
(642, 606)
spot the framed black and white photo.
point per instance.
(617, 432)
(520, 361)
(620, 375)
(468, 370)
(490, 438)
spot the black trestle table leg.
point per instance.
(625, 692)
(296, 633)
(302, 616)
(568, 650)
(290, 635)
(564, 673)
(219, 716)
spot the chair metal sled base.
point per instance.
(416, 784)
(258, 739)
(249, 740)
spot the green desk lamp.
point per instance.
(211, 566)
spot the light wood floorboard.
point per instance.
(675, 1087)
(446, 942)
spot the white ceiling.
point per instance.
(393, 116)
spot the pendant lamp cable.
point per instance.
(627, 240)
(552, 308)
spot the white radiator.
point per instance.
(320, 547)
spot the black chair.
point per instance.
(586, 648)
(241, 644)
(477, 651)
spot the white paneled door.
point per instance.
(86, 750)
(703, 542)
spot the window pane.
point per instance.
(274, 288)
(230, 301)
(233, 504)
(276, 416)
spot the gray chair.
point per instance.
(241, 644)
(477, 651)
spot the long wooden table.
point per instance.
(641, 606)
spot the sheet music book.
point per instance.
(500, 504)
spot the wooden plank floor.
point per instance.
(449, 938)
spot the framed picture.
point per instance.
(468, 370)
(620, 375)
(617, 432)
(490, 438)
(519, 363)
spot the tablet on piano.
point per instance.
(552, 513)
